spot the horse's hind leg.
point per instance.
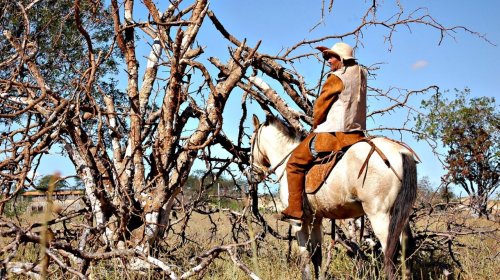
(380, 226)
(408, 247)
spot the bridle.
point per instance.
(262, 171)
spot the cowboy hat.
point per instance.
(340, 49)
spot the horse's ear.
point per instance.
(256, 122)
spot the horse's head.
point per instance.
(259, 161)
(271, 144)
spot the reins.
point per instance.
(272, 170)
(268, 171)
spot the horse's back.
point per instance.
(383, 156)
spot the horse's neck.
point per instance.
(278, 148)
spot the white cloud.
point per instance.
(419, 64)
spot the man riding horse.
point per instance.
(339, 119)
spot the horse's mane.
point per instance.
(283, 127)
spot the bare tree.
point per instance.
(133, 148)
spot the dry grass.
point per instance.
(272, 258)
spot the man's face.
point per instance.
(335, 63)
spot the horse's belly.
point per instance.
(342, 210)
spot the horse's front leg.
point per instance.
(315, 248)
(309, 239)
(303, 236)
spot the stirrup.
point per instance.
(289, 219)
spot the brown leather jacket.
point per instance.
(329, 93)
(341, 106)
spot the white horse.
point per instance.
(386, 195)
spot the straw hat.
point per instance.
(341, 49)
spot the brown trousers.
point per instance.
(301, 160)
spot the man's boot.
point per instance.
(295, 196)
(296, 183)
(300, 161)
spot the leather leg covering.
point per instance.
(299, 163)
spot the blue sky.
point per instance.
(415, 60)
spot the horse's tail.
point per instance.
(400, 211)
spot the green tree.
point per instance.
(77, 184)
(48, 33)
(211, 184)
(46, 181)
(469, 130)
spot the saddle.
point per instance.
(330, 147)
(324, 165)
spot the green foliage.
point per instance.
(227, 203)
(46, 181)
(446, 195)
(78, 184)
(60, 48)
(57, 47)
(469, 129)
(204, 186)
(15, 207)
